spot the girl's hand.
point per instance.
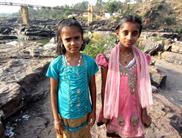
(105, 121)
(58, 127)
(146, 119)
(101, 119)
(91, 118)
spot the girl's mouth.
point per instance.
(129, 44)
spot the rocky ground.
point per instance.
(166, 118)
(25, 90)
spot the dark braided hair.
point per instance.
(70, 22)
(132, 19)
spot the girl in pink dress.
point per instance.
(126, 88)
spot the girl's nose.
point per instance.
(129, 36)
(72, 42)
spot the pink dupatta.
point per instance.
(111, 99)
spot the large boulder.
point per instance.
(158, 77)
(177, 47)
(10, 98)
(172, 57)
(1, 130)
(1, 124)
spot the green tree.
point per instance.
(112, 6)
(81, 6)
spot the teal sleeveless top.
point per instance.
(73, 85)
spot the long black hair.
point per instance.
(130, 18)
(63, 23)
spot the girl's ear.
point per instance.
(117, 33)
(82, 40)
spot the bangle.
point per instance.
(57, 122)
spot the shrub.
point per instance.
(100, 42)
(169, 20)
(178, 30)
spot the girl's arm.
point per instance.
(92, 87)
(53, 90)
(93, 92)
(101, 119)
(103, 77)
(102, 61)
(54, 104)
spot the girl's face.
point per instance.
(72, 39)
(128, 34)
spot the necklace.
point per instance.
(78, 64)
(125, 58)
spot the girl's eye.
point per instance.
(68, 39)
(135, 33)
(125, 33)
(77, 38)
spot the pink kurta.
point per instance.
(128, 123)
(127, 91)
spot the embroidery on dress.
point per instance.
(134, 120)
(131, 76)
(121, 121)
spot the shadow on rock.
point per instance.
(176, 122)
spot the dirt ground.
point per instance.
(36, 121)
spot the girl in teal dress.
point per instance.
(72, 83)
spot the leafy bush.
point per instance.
(100, 42)
(178, 30)
(169, 20)
(157, 38)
